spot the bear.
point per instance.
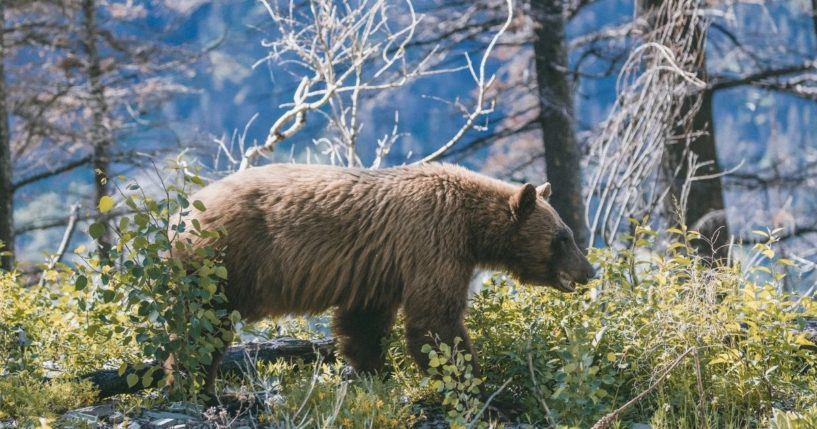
(302, 239)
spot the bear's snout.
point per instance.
(588, 273)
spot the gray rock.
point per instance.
(160, 415)
(162, 423)
(101, 410)
(186, 408)
(116, 417)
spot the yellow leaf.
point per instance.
(80, 249)
(801, 340)
(105, 204)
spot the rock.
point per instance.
(92, 416)
(116, 417)
(159, 415)
(640, 426)
(168, 419)
(162, 423)
(186, 408)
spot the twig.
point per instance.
(539, 396)
(482, 86)
(488, 402)
(701, 393)
(608, 419)
(66, 239)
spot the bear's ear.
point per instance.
(544, 191)
(523, 201)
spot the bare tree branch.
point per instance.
(52, 172)
(482, 86)
(722, 82)
(66, 239)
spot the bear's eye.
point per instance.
(564, 237)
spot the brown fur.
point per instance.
(306, 238)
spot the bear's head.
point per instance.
(543, 249)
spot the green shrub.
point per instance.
(451, 375)
(319, 395)
(45, 343)
(575, 357)
(169, 290)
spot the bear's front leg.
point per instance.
(360, 333)
(421, 329)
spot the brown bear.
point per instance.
(306, 238)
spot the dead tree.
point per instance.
(92, 89)
(704, 203)
(367, 55)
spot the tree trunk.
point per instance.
(101, 137)
(705, 209)
(562, 156)
(814, 15)
(6, 192)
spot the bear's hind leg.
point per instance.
(360, 334)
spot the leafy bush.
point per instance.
(169, 290)
(45, 343)
(575, 357)
(319, 395)
(451, 374)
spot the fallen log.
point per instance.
(109, 382)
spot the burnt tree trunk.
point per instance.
(6, 191)
(705, 209)
(238, 359)
(562, 155)
(101, 135)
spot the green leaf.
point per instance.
(199, 205)
(96, 230)
(221, 272)
(105, 204)
(132, 379)
(81, 282)
(140, 243)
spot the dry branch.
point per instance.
(482, 86)
(611, 417)
(333, 47)
(343, 50)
